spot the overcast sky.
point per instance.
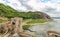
(51, 7)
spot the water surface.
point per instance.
(41, 29)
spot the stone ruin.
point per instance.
(14, 28)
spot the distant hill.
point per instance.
(56, 17)
(7, 11)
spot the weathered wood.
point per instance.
(14, 28)
(22, 34)
(53, 34)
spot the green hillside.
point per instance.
(7, 11)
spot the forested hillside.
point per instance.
(7, 11)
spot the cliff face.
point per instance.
(6, 11)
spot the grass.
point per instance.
(33, 21)
(25, 27)
(2, 21)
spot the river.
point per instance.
(41, 29)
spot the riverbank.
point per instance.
(31, 22)
(41, 29)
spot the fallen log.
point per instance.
(52, 34)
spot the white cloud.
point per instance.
(1, 1)
(36, 5)
(54, 15)
(14, 4)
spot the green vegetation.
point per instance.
(33, 21)
(6, 11)
(2, 21)
(25, 27)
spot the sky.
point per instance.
(51, 7)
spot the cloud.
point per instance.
(23, 3)
(44, 1)
(14, 4)
(52, 7)
(54, 15)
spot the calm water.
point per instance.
(41, 29)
